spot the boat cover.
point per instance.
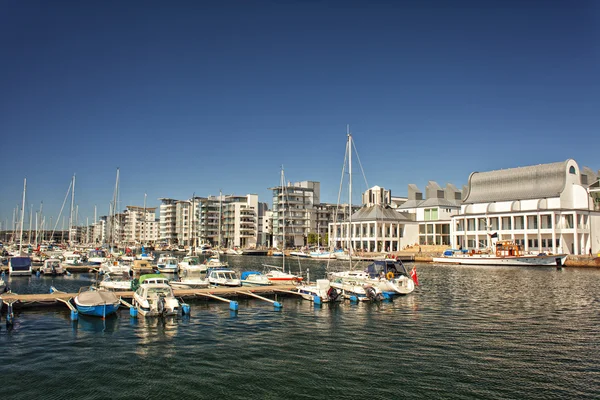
(20, 263)
(97, 298)
(246, 274)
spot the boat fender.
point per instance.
(390, 275)
(185, 309)
(133, 312)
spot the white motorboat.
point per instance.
(72, 258)
(115, 268)
(191, 262)
(321, 292)
(167, 264)
(254, 278)
(97, 256)
(215, 262)
(116, 282)
(52, 266)
(356, 290)
(222, 277)
(506, 253)
(154, 297)
(190, 278)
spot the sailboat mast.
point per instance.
(282, 206)
(22, 216)
(349, 194)
(220, 215)
(70, 227)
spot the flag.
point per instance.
(413, 275)
(493, 235)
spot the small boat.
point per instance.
(192, 262)
(140, 267)
(277, 276)
(214, 262)
(116, 282)
(115, 268)
(277, 254)
(72, 258)
(506, 252)
(96, 302)
(190, 278)
(167, 264)
(300, 253)
(321, 253)
(222, 277)
(154, 297)
(97, 256)
(322, 292)
(254, 278)
(145, 257)
(19, 265)
(357, 290)
(52, 266)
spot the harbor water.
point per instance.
(465, 333)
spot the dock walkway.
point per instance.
(50, 299)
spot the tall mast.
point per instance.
(349, 193)
(220, 215)
(114, 211)
(22, 216)
(30, 222)
(71, 214)
(282, 206)
(143, 221)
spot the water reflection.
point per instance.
(87, 323)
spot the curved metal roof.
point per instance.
(533, 182)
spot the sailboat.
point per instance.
(21, 264)
(275, 274)
(354, 289)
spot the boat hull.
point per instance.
(476, 259)
(103, 310)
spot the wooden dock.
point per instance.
(52, 299)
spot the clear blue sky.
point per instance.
(193, 97)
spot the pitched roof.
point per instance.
(532, 182)
(435, 202)
(377, 212)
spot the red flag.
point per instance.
(413, 275)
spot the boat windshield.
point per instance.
(97, 253)
(165, 291)
(227, 275)
(192, 260)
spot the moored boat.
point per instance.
(505, 252)
(154, 297)
(96, 302)
(321, 292)
(19, 266)
(52, 266)
(222, 277)
(254, 278)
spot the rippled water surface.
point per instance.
(465, 333)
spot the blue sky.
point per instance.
(194, 97)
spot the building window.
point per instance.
(519, 222)
(572, 170)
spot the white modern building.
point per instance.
(141, 226)
(432, 213)
(545, 208)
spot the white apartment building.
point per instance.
(141, 226)
(167, 221)
(546, 208)
(294, 204)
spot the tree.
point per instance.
(312, 238)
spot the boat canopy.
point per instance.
(246, 274)
(378, 267)
(152, 277)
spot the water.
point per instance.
(465, 333)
